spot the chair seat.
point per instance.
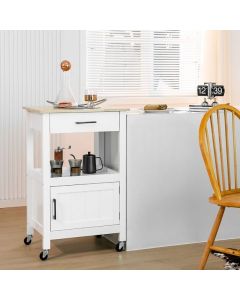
(231, 200)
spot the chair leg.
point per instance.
(212, 237)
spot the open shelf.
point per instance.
(104, 175)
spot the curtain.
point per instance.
(215, 64)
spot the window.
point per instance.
(143, 63)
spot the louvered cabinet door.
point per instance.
(82, 206)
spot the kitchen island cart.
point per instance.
(76, 206)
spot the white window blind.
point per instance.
(143, 63)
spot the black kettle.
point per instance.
(89, 163)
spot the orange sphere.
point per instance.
(65, 65)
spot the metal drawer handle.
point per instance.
(86, 122)
(54, 209)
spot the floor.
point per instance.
(91, 252)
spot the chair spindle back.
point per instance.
(219, 141)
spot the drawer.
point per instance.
(82, 206)
(84, 122)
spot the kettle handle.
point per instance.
(101, 163)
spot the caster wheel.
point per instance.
(98, 236)
(44, 255)
(28, 240)
(120, 246)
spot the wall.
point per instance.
(30, 75)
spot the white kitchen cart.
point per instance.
(75, 206)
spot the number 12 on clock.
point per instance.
(202, 90)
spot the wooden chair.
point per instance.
(219, 143)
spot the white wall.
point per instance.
(30, 75)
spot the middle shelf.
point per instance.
(105, 175)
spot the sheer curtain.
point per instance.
(216, 60)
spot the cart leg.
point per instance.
(123, 174)
(46, 243)
(45, 151)
(29, 167)
(30, 229)
(46, 239)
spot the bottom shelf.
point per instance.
(71, 233)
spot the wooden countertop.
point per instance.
(50, 110)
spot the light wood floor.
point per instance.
(90, 252)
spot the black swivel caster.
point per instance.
(28, 240)
(44, 255)
(121, 246)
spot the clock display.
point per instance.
(218, 90)
(211, 90)
(202, 90)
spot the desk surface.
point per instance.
(50, 110)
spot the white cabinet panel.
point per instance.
(81, 206)
(167, 184)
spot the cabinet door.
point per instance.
(81, 206)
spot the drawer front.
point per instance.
(84, 122)
(82, 206)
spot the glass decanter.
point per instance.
(65, 96)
